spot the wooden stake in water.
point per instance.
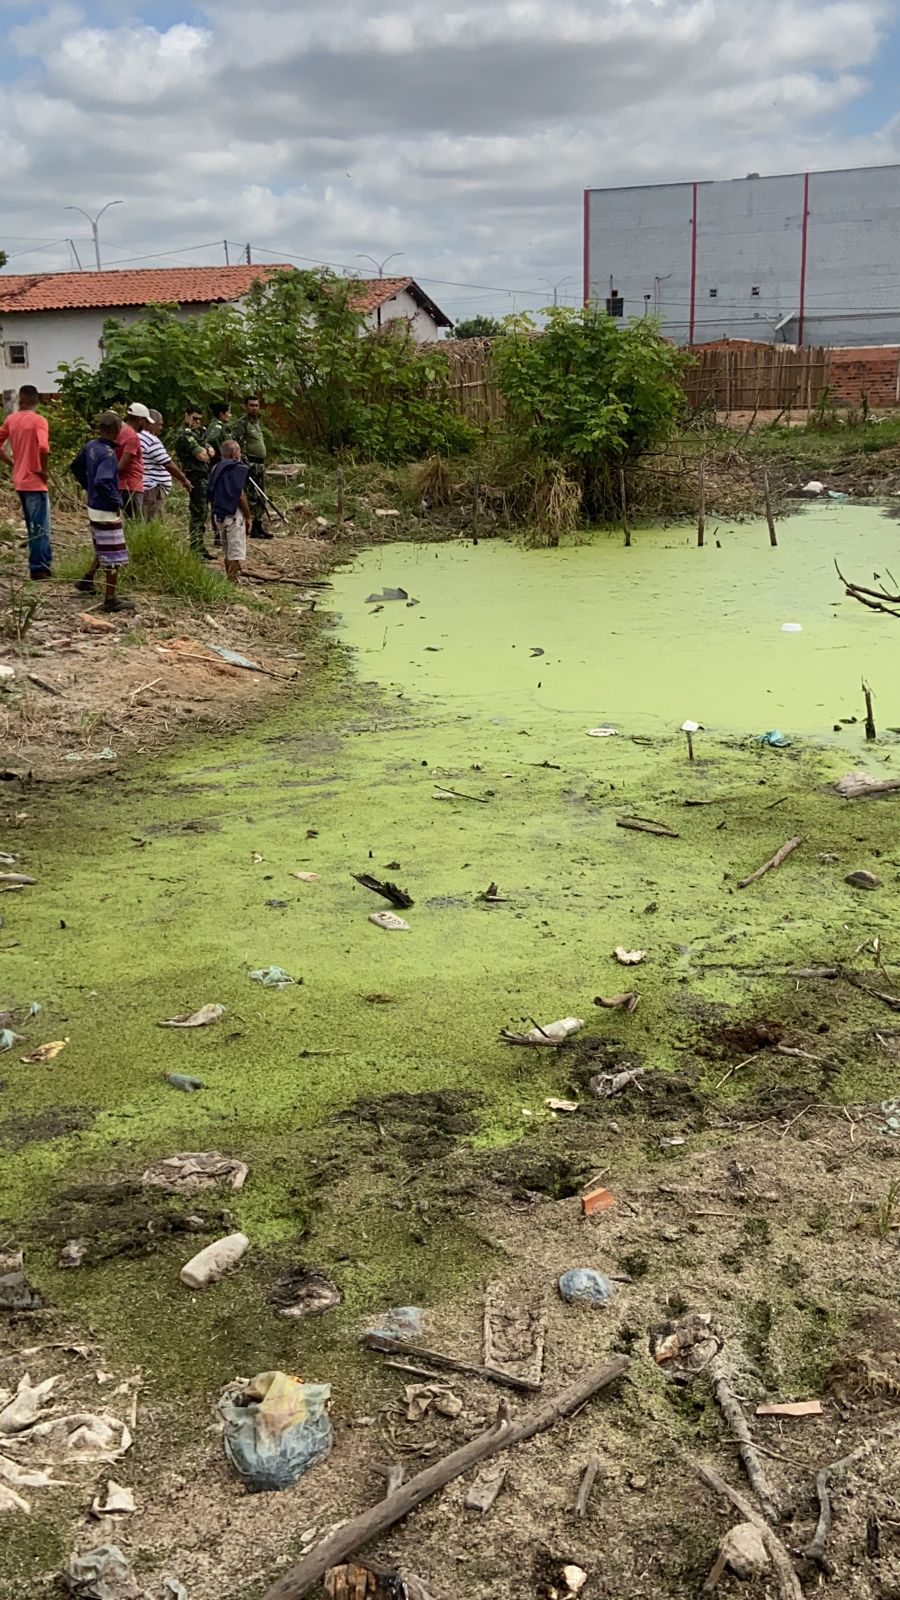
(625, 527)
(773, 537)
(870, 715)
(340, 495)
(690, 743)
(701, 508)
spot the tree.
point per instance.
(588, 395)
(479, 327)
(3, 259)
(164, 360)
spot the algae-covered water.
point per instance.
(150, 902)
(642, 637)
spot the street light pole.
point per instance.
(556, 286)
(379, 268)
(94, 221)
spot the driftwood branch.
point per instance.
(647, 825)
(586, 1485)
(388, 891)
(786, 850)
(815, 1550)
(788, 1582)
(390, 1346)
(356, 1533)
(731, 1410)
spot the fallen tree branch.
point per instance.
(788, 1582)
(646, 825)
(359, 1531)
(387, 890)
(774, 861)
(390, 1346)
(586, 1485)
(815, 1550)
(731, 1410)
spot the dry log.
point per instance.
(788, 1581)
(331, 1552)
(647, 825)
(786, 849)
(731, 1410)
(390, 1346)
(388, 891)
(586, 1486)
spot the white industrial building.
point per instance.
(52, 317)
(808, 258)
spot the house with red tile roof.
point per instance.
(50, 317)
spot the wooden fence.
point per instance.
(733, 376)
(737, 376)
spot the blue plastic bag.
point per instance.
(276, 1429)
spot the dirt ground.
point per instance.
(86, 685)
(777, 1215)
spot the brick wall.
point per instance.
(870, 371)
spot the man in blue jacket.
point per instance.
(230, 508)
(97, 470)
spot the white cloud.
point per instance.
(461, 136)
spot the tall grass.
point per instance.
(158, 561)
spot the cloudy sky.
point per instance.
(460, 134)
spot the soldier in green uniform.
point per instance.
(193, 456)
(219, 430)
(249, 434)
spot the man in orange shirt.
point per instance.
(131, 469)
(26, 434)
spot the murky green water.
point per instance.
(642, 638)
(149, 901)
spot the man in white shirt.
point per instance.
(159, 468)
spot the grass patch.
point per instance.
(158, 561)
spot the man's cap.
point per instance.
(137, 410)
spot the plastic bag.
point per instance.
(276, 1429)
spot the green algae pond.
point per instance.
(437, 748)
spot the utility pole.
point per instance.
(247, 254)
(225, 248)
(94, 221)
(76, 256)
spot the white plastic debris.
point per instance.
(7, 673)
(561, 1105)
(792, 627)
(691, 727)
(389, 921)
(574, 1578)
(209, 1265)
(629, 958)
(24, 1407)
(555, 1033)
(119, 1501)
(602, 732)
(195, 1019)
(195, 1170)
(813, 487)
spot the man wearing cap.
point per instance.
(248, 432)
(131, 465)
(159, 468)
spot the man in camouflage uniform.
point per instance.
(193, 456)
(219, 429)
(249, 435)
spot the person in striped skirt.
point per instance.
(96, 468)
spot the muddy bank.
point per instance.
(400, 1147)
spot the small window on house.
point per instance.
(755, 291)
(615, 304)
(713, 294)
(17, 355)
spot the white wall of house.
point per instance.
(405, 305)
(50, 337)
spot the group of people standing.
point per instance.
(127, 474)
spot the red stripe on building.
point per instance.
(693, 264)
(803, 251)
(587, 246)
